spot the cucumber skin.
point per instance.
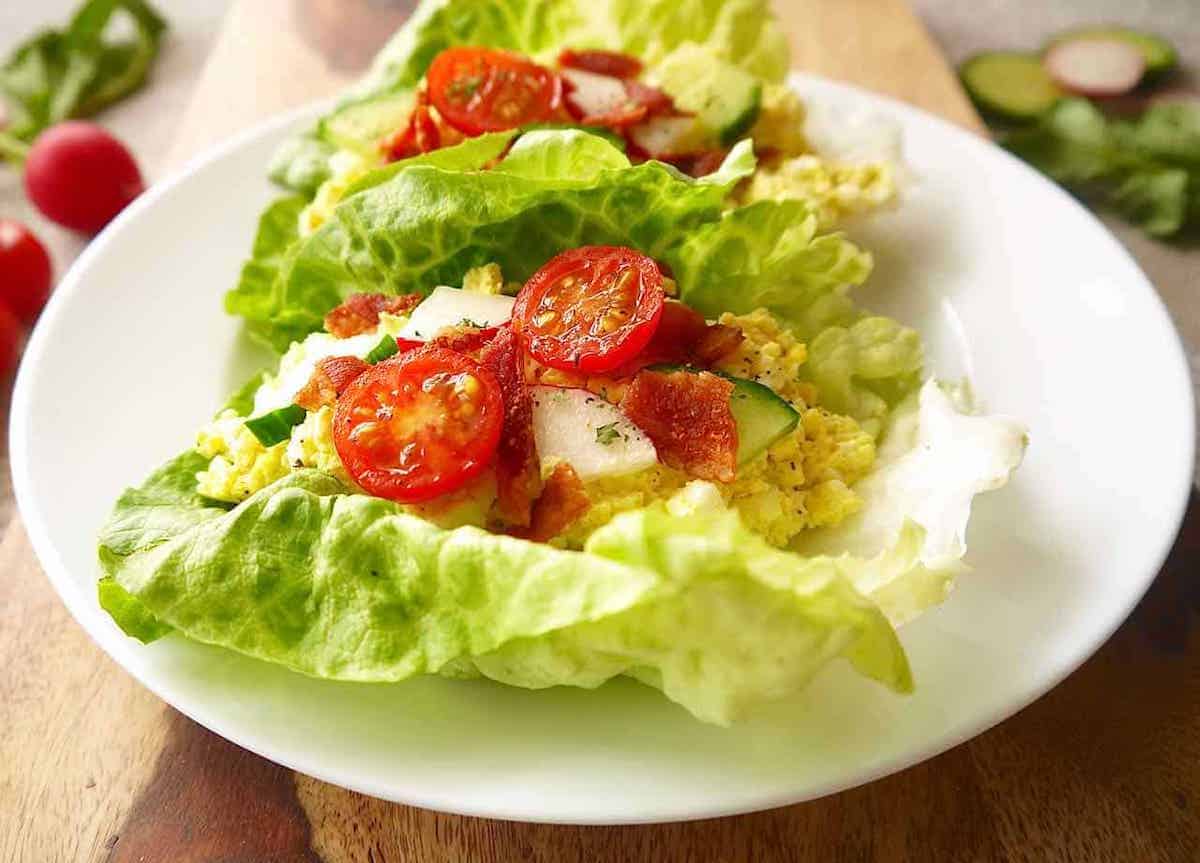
(992, 107)
(744, 122)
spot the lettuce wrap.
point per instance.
(680, 594)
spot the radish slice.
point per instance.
(588, 433)
(592, 95)
(449, 307)
(1095, 67)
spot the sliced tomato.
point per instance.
(590, 309)
(419, 425)
(612, 63)
(479, 90)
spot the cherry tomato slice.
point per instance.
(590, 309)
(479, 90)
(419, 425)
(612, 63)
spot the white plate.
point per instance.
(1007, 278)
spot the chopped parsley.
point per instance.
(608, 434)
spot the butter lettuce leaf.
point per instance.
(426, 225)
(771, 254)
(350, 587)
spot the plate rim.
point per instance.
(57, 572)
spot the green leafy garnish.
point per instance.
(276, 426)
(59, 74)
(608, 434)
(387, 347)
(1146, 169)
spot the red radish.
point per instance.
(25, 271)
(1095, 67)
(600, 99)
(10, 342)
(80, 176)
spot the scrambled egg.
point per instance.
(346, 167)
(835, 191)
(804, 480)
(780, 123)
(240, 465)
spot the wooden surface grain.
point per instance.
(94, 768)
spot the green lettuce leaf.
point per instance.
(769, 254)
(425, 225)
(277, 235)
(681, 597)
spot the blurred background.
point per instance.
(146, 120)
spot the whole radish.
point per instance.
(10, 342)
(25, 271)
(80, 176)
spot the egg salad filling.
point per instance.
(803, 480)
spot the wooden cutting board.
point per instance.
(93, 767)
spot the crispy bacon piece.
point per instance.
(561, 502)
(359, 313)
(686, 415)
(518, 474)
(464, 339)
(654, 100)
(683, 338)
(612, 63)
(716, 342)
(329, 378)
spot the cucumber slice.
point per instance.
(762, 416)
(1159, 54)
(361, 126)
(1009, 85)
(724, 98)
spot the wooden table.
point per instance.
(93, 767)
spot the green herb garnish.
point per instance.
(387, 347)
(276, 426)
(608, 434)
(75, 72)
(1146, 169)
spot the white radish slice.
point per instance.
(595, 95)
(666, 137)
(588, 433)
(1095, 66)
(450, 307)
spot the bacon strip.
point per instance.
(330, 377)
(683, 338)
(518, 474)
(465, 340)
(562, 501)
(687, 417)
(716, 342)
(611, 63)
(360, 313)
